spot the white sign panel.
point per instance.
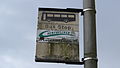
(57, 36)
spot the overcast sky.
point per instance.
(18, 20)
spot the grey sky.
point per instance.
(18, 20)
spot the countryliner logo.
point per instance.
(44, 34)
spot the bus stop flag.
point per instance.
(57, 35)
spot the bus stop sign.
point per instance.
(57, 35)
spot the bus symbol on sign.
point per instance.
(64, 17)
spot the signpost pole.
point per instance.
(90, 49)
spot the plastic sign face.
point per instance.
(57, 36)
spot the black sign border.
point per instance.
(61, 10)
(58, 61)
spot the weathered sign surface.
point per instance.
(57, 36)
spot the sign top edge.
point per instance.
(62, 10)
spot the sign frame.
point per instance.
(60, 10)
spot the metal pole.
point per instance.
(90, 50)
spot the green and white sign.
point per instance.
(57, 36)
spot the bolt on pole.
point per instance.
(89, 22)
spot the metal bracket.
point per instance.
(90, 58)
(88, 9)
